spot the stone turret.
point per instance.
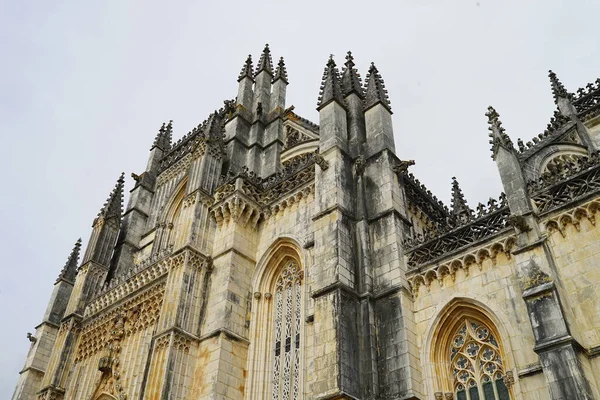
(354, 96)
(134, 220)
(44, 338)
(540, 284)
(564, 102)
(246, 80)
(274, 135)
(507, 160)
(378, 114)
(97, 258)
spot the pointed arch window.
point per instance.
(476, 364)
(286, 347)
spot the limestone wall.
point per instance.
(493, 286)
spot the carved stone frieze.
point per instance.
(238, 208)
(464, 262)
(127, 284)
(573, 216)
(141, 311)
(175, 171)
(293, 137)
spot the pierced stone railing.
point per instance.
(425, 250)
(566, 183)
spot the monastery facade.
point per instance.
(263, 256)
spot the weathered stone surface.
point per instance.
(263, 256)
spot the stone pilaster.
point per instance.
(175, 344)
(336, 301)
(536, 270)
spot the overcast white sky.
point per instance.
(84, 86)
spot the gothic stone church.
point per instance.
(263, 256)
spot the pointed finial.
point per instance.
(558, 89)
(69, 271)
(460, 209)
(114, 204)
(498, 136)
(265, 63)
(247, 69)
(331, 87)
(351, 82)
(376, 92)
(164, 137)
(281, 72)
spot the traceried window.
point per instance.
(477, 367)
(286, 333)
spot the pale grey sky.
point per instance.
(84, 86)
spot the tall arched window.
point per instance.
(275, 355)
(286, 333)
(476, 365)
(467, 357)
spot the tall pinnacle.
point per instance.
(265, 63)
(281, 72)
(331, 87)
(351, 78)
(498, 136)
(114, 204)
(376, 92)
(164, 137)
(558, 89)
(70, 269)
(247, 69)
(460, 209)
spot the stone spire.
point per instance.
(69, 271)
(351, 78)
(331, 88)
(265, 63)
(281, 72)
(247, 69)
(164, 137)
(558, 89)
(498, 136)
(114, 204)
(460, 208)
(376, 92)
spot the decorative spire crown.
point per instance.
(114, 204)
(498, 136)
(281, 72)
(69, 271)
(164, 137)
(558, 89)
(331, 88)
(247, 69)
(376, 92)
(351, 78)
(460, 208)
(265, 63)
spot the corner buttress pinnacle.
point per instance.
(376, 92)
(558, 89)
(69, 271)
(351, 82)
(247, 69)
(281, 72)
(331, 88)
(498, 136)
(164, 137)
(460, 208)
(114, 204)
(265, 63)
